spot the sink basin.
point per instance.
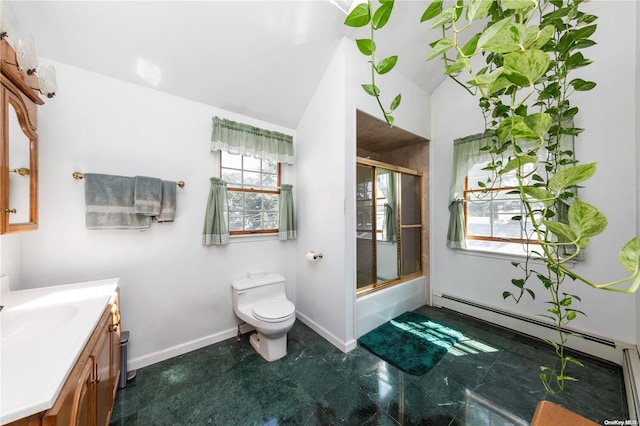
(22, 325)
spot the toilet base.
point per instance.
(271, 349)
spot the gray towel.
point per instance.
(147, 195)
(168, 205)
(109, 203)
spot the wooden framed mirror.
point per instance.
(18, 146)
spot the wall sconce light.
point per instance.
(26, 54)
(47, 81)
(6, 19)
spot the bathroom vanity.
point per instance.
(60, 354)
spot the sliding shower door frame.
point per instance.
(376, 286)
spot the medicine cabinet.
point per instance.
(19, 145)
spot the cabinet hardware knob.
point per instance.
(114, 327)
(9, 211)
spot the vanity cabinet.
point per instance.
(88, 394)
(19, 99)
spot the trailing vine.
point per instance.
(519, 67)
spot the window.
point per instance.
(253, 188)
(493, 216)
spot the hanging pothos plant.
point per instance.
(517, 59)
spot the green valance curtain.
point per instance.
(287, 220)
(466, 153)
(216, 222)
(239, 138)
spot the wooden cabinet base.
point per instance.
(88, 394)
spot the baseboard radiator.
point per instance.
(623, 354)
(631, 371)
(598, 346)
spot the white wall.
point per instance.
(326, 137)
(175, 292)
(609, 118)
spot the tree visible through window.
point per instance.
(495, 212)
(253, 188)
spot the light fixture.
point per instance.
(47, 81)
(6, 19)
(26, 54)
(22, 171)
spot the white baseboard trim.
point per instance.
(155, 357)
(335, 341)
(598, 346)
(152, 358)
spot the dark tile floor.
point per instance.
(490, 378)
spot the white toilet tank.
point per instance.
(251, 290)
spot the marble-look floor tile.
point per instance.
(491, 377)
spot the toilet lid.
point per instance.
(273, 309)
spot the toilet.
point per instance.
(261, 301)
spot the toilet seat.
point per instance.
(273, 310)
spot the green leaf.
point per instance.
(432, 11)
(455, 67)
(570, 177)
(507, 39)
(445, 17)
(506, 294)
(542, 38)
(470, 47)
(531, 293)
(518, 162)
(518, 4)
(359, 16)
(582, 33)
(560, 230)
(371, 89)
(387, 64)
(540, 194)
(478, 9)
(518, 282)
(382, 15)
(571, 315)
(586, 220)
(441, 46)
(574, 361)
(629, 256)
(582, 85)
(366, 46)
(396, 102)
(389, 118)
(577, 60)
(539, 123)
(526, 67)
(491, 31)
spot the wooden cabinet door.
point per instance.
(74, 406)
(102, 377)
(116, 354)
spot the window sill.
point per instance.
(496, 250)
(248, 238)
(502, 251)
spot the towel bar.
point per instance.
(78, 175)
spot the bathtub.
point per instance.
(380, 306)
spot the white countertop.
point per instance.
(43, 331)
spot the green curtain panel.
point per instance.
(387, 183)
(466, 153)
(216, 222)
(239, 138)
(287, 229)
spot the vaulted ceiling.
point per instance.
(263, 58)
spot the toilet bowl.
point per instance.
(262, 303)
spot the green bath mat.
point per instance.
(411, 342)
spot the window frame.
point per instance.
(252, 190)
(467, 192)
